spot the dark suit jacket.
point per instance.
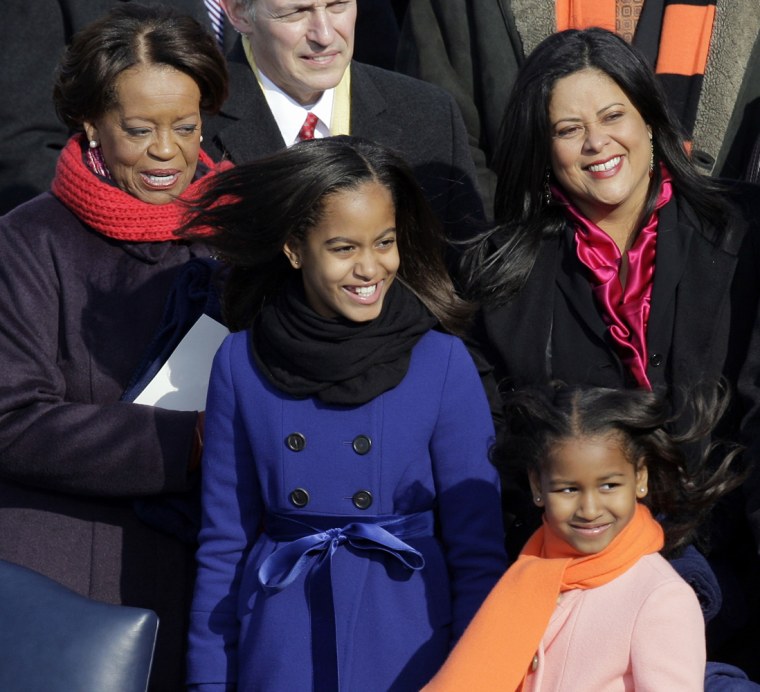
(418, 120)
(33, 36)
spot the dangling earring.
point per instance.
(547, 188)
(96, 161)
(651, 155)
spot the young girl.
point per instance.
(591, 604)
(351, 523)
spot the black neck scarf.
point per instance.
(337, 360)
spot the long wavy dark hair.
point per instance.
(682, 489)
(253, 209)
(498, 264)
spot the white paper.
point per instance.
(182, 382)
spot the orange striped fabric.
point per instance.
(685, 39)
(686, 29)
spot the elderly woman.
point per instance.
(614, 263)
(85, 275)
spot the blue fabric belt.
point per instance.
(311, 541)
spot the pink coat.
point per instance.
(643, 631)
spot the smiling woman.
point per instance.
(601, 151)
(87, 272)
(151, 138)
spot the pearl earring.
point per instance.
(538, 499)
(201, 138)
(93, 144)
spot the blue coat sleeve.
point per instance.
(467, 487)
(231, 518)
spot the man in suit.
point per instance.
(294, 59)
(33, 36)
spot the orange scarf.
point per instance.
(498, 646)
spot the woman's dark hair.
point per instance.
(253, 209)
(497, 266)
(130, 35)
(681, 491)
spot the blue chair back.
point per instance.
(54, 640)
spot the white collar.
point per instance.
(290, 115)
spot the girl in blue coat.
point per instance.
(351, 519)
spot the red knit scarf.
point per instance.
(115, 213)
(497, 647)
(684, 41)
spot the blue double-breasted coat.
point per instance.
(418, 450)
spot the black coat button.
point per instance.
(361, 444)
(299, 497)
(295, 442)
(655, 360)
(362, 499)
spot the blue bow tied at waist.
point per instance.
(308, 543)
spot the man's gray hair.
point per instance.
(250, 7)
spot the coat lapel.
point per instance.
(673, 243)
(252, 131)
(691, 301)
(367, 106)
(572, 280)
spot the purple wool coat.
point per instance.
(78, 312)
